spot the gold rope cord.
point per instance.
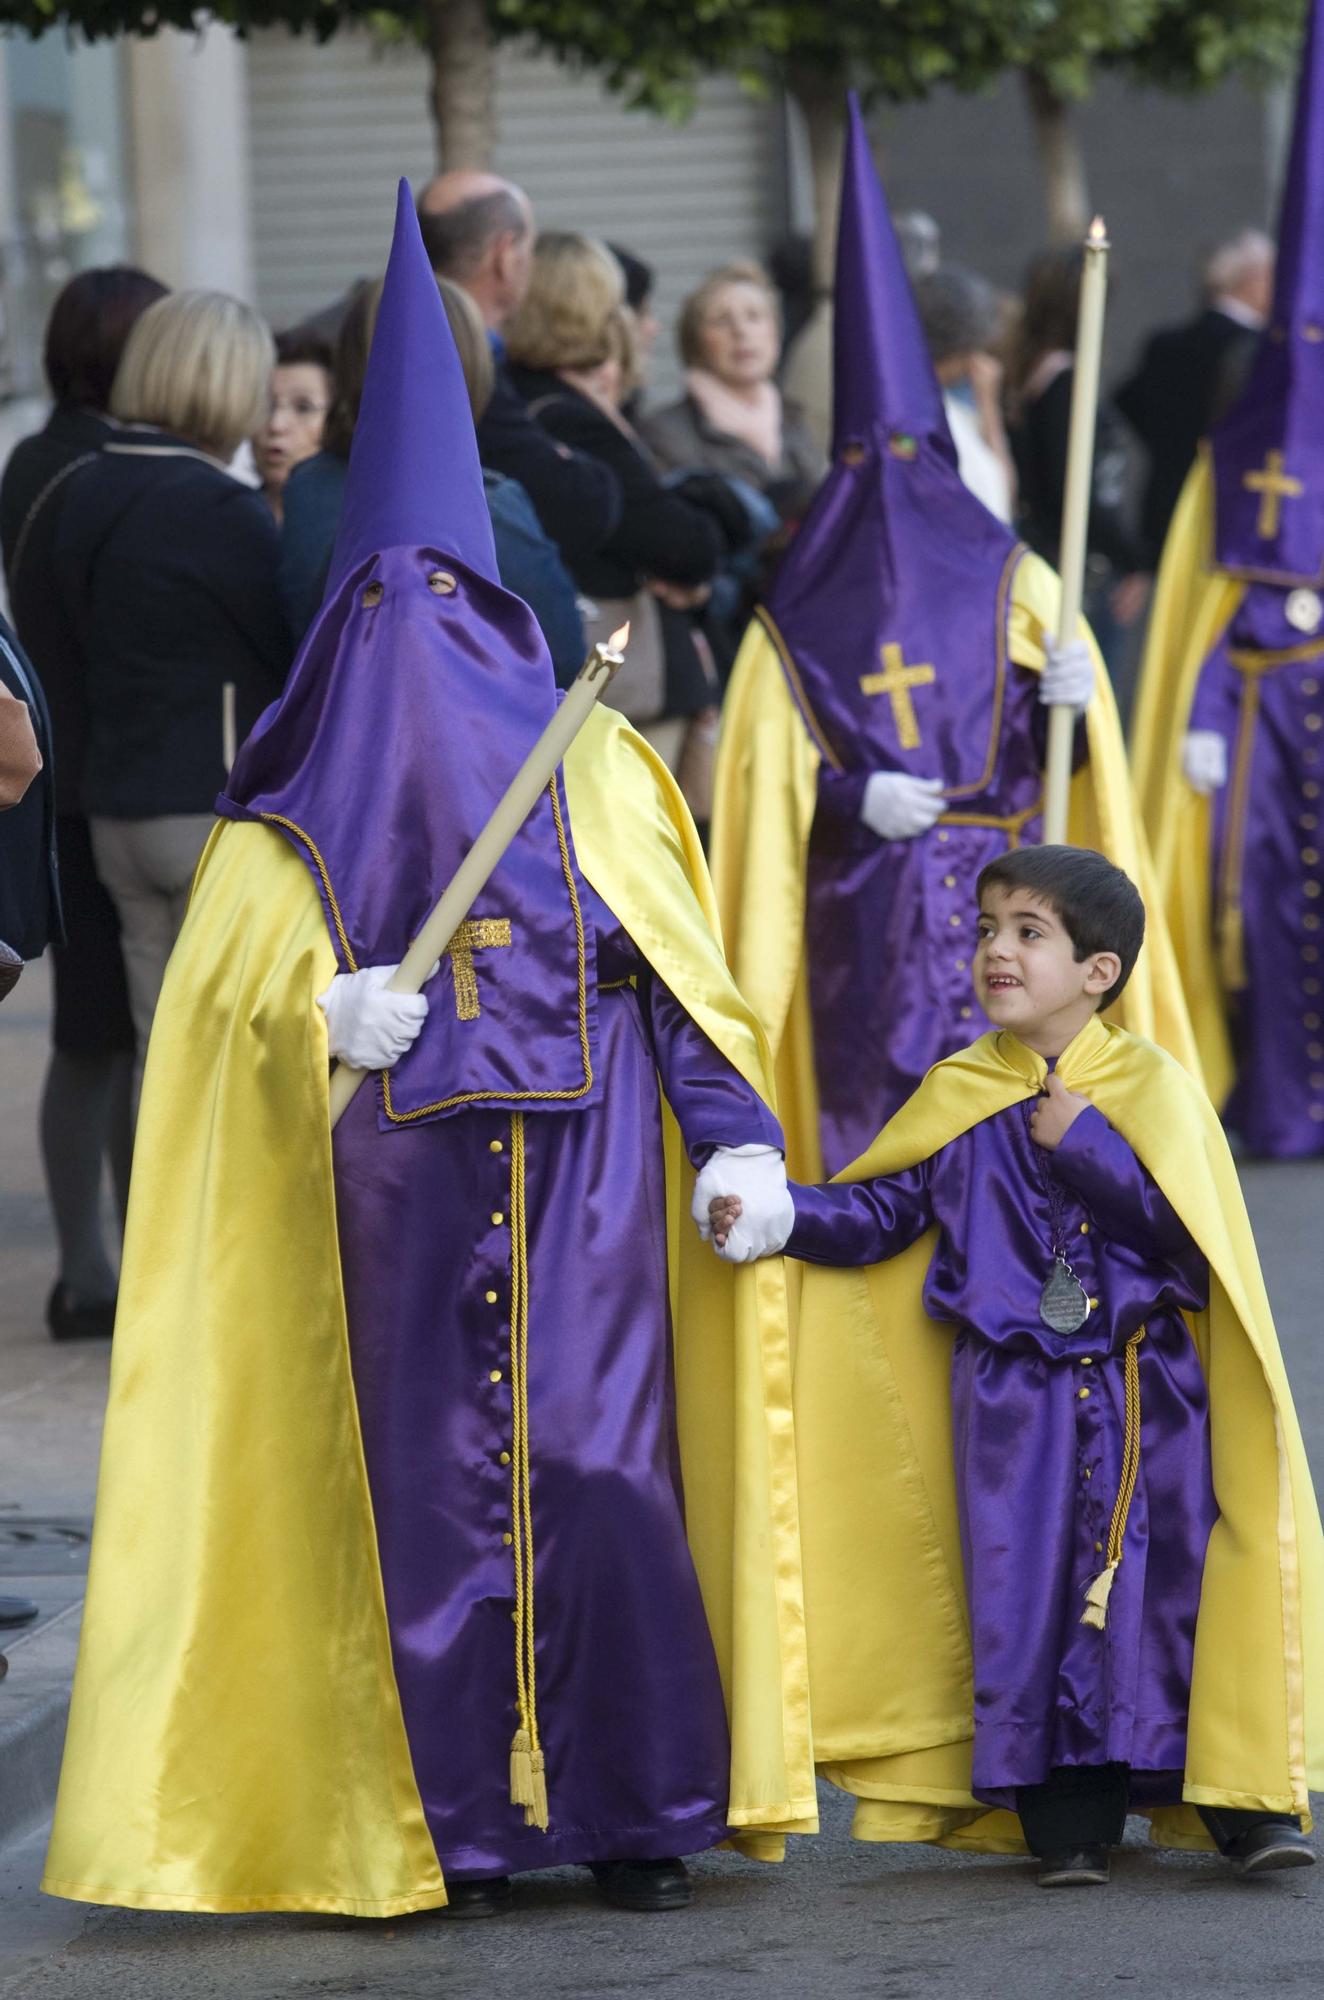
(1096, 1597)
(528, 1779)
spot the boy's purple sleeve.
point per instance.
(862, 1222)
(1126, 1203)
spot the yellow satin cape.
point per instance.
(1193, 604)
(765, 795)
(889, 1647)
(236, 1741)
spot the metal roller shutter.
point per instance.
(331, 128)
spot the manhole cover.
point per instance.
(35, 1547)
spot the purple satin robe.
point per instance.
(629, 1702)
(1266, 861)
(894, 920)
(1038, 1422)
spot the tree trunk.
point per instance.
(1066, 194)
(463, 95)
(821, 95)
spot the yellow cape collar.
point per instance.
(1074, 1064)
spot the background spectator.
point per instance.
(571, 359)
(169, 567)
(1040, 401)
(479, 232)
(961, 318)
(299, 399)
(1190, 375)
(86, 1105)
(527, 560)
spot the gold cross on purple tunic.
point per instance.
(896, 681)
(474, 934)
(1273, 486)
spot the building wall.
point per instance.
(331, 128)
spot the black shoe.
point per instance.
(643, 1885)
(16, 1611)
(483, 1896)
(1261, 1849)
(1075, 1868)
(72, 1318)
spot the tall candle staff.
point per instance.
(476, 869)
(1076, 512)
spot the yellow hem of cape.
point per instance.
(243, 1906)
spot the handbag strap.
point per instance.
(51, 486)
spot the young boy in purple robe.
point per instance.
(1085, 1487)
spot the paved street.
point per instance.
(839, 1918)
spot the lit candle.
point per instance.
(1076, 512)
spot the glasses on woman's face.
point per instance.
(303, 409)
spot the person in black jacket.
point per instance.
(1190, 375)
(479, 231)
(169, 565)
(87, 1095)
(571, 362)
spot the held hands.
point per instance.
(366, 1026)
(1204, 761)
(1067, 680)
(1055, 1114)
(747, 1185)
(898, 807)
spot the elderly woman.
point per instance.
(296, 412)
(571, 355)
(168, 566)
(733, 418)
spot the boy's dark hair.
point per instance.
(1099, 907)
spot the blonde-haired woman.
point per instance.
(571, 359)
(168, 567)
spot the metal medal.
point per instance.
(1063, 1305)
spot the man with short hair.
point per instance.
(479, 232)
(1190, 375)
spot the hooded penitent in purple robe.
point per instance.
(892, 616)
(507, 1174)
(1260, 688)
(1040, 1436)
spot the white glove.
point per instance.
(1204, 761)
(1067, 680)
(896, 806)
(366, 1026)
(758, 1175)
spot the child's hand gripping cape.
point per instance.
(889, 1649)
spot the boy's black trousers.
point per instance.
(1085, 1805)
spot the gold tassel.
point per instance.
(535, 1807)
(521, 1769)
(1096, 1599)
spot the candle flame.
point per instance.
(619, 639)
(1098, 232)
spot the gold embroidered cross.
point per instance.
(1273, 486)
(474, 934)
(896, 681)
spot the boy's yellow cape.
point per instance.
(236, 1741)
(889, 1647)
(763, 810)
(1193, 604)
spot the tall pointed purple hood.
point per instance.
(1269, 451)
(416, 695)
(897, 566)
